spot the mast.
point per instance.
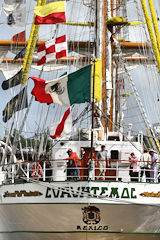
(109, 67)
(100, 52)
(110, 45)
(97, 50)
(92, 127)
(104, 41)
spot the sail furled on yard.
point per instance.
(67, 90)
(50, 13)
(52, 50)
(17, 103)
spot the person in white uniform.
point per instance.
(102, 158)
(154, 165)
(145, 164)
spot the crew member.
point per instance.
(133, 167)
(154, 165)
(102, 158)
(72, 165)
(145, 164)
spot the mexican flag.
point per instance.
(69, 89)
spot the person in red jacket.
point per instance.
(72, 165)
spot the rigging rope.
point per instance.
(155, 23)
(151, 33)
(151, 74)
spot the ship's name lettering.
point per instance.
(22, 193)
(92, 228)
(81, 192)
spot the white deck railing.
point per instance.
(58, 170)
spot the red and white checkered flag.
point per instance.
(52, 50)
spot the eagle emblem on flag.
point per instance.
(57, 88)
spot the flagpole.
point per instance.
(93, 77)
(92, 127)
(96, 51)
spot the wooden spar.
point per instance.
(74, 44)
(133, 45)
(78, 46)
(104, 49)
(64, 60)
(139, 59)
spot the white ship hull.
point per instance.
(47, 211)
(60, 221)
(70, 236)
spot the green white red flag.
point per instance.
(67, 90)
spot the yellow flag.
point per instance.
(97, 80)
(53, 7)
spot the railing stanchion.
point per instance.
(139, 176)
(13, 167)
(27, 172)
(44, 171)
(117, 170)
